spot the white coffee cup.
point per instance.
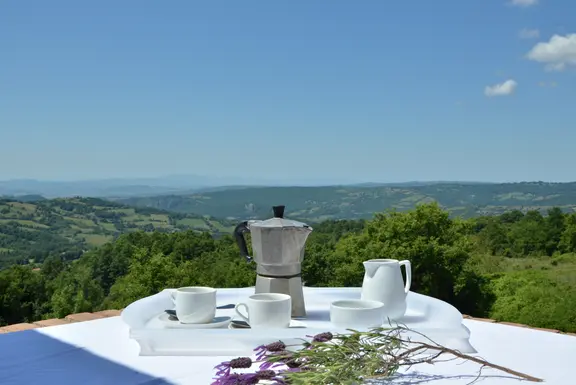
(356, 313)
(195, 304)
(267, 310)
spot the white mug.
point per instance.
(195, 304)
(267, 310)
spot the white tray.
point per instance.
(436, 319)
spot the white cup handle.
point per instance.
(173, 296)
(244, 317)
(408, 268)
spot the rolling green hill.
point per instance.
(350, 202)
(30, 231)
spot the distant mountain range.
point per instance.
(239, 198)
(108, 187)
(349, 202)
(31, 226)
(174, 184)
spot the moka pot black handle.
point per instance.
(239, 231)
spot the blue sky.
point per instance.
(347, 90)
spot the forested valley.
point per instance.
(516, 267)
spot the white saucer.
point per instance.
(217, 322)
(293, 324)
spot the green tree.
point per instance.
(493, 238)
(52, 267)
(529, 236)
(316, 268)
(535, 298)
(149, 274)
(555, 226)
(437, 246)
(567, 242)
(511, 216)
(76, 291)
(21, 294)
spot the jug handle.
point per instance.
(408, 268)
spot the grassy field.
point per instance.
(559, 265)
(536, 291)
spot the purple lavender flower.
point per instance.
(237, 363)
(237, 379)
(270, 365)
(323, 337)
(261, 350)
(249, 378)
(269, 375)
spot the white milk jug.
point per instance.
(383, 282)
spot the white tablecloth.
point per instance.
(100, 352)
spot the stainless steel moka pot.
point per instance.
(278, 248)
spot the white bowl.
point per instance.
(357, 313)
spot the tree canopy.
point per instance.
(515, 267)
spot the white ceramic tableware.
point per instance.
(195, 304)
(356, 313)
(267, 310)
(383, 282)
(215, 323)
(294, 324)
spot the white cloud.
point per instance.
(529, 33)
(523, 3)
(557, 54)
(506, 88)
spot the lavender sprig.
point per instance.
(342, 358)
(249, 378)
